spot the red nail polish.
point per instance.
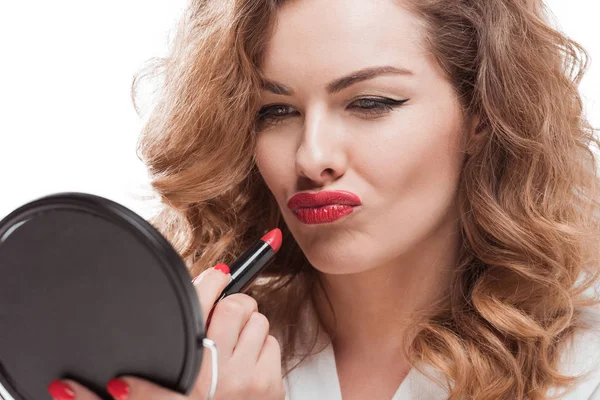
(224, 268)
(118, 389)
(60, 391)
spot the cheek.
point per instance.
(412, 164)
(275, 161)
(419, 148)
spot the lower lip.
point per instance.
(324, 214)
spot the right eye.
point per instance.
(273, 114)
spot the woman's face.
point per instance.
(393, 136)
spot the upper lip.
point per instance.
(305, 199)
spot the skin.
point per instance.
(396, 252)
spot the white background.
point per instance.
(66, 118)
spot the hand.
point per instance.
(249, 358)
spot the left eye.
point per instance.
(376, 106)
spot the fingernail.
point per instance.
(224, 268)
(118, 389)
(60, 391)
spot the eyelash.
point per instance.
(381, 106)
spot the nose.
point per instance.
(321, 155)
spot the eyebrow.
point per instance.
(342, 83)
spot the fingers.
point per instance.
(252, 339)
(132, 388)
(228, 320)
(270, 351)
(67, 389)
(269, 361)
(209, 285)
(123, 388)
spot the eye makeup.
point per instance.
(367, 106)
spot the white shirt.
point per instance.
(316, 378)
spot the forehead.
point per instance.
(337, 36)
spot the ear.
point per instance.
(477, 131)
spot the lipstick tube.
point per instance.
(245, 269)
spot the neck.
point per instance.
(374, 308)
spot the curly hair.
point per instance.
(528, 193)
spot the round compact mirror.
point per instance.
(89, 291)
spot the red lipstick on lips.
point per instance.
(323, 207)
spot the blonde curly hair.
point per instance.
(528, 194)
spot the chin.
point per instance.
(337, 249)
(338, 260)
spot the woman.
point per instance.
(430, 167)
